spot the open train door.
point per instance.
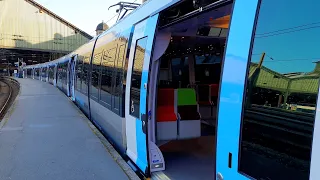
(136, 92)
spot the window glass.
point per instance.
(208, 69)
(29, 73)
(61, 74)
(208, 59)
(84, 84)
(46, 72)
(107, 68)
(37, 73)
(79, 66)
(51, 73)
(95, 75)
(138, 61)
(180, 72)
(281, 92)
(119, 77)
(64, 71)
(43, 73)
(58, 74)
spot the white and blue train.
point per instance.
(208, 89)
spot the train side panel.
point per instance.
(82, 72)
(107, 85)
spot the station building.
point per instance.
(31, 34)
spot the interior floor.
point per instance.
(193, 157)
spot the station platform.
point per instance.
(44, 136)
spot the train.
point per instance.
(203, 89)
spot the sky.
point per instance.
(84, 14)
(289, 36)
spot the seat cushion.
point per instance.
(189, 112)
(204, 95)
(186, 96)
(165, 97)
(166, 113)
(214, 90)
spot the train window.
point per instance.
(78, 73)
(208, 69)
(207, 59)
(95, 76)
(29, 72)
(44, 74)
(136, 75)
(84, 84)
(180, 72)
(281, 93)
(50, 74)
(60, 74)
(36, 74)
(119, 77)
(65, 71)
(107, 68)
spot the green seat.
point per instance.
(186, 96)
(189, 117)
(187, 106)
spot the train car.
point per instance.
(52, 73)
(28, 72)
(204, 89)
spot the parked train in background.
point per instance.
(225, 89)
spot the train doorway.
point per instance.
(185, 76)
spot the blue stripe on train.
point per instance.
(142, 156)
(142, 161)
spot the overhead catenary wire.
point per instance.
(277, 60)
(295, 27)
(281, 33)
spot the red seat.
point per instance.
(214, 90)
(166, 113)
(165, 109)
(214, 93)
(203, 92)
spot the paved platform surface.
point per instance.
(46, 137)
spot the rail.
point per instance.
(8, 81)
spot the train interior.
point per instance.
(187, 93)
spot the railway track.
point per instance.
(9, 89)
